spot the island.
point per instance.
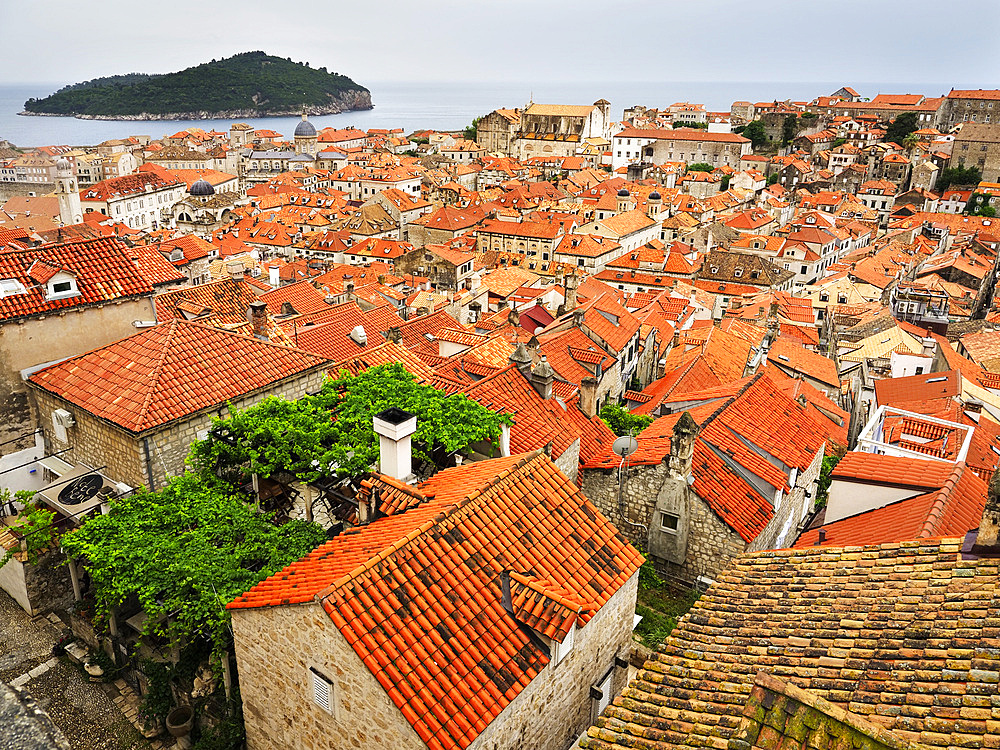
(250, 84)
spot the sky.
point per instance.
(517, 40)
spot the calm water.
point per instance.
(444, 106)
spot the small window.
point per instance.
(561, 650)
(669, 522)
(322, 690)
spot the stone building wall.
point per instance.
(711, 543)
(419, 235)
(275, 647)
(791, 510)
(38, 588)
(569, 462)
(99, 443)
(91, 441)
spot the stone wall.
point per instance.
(91, 441)
(711, 543)
(98, 443)
(791, 510)
(16, 422)
(12, 189)
(569, 462)
(41, 587)
(275, 647)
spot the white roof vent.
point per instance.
(358, 335)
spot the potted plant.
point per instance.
(158, 698)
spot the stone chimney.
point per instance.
(682, 446)
(588, 396)
(395, 335)
(258, 319)
(236, 270)
(542, 378)
(349, 284)
(394, 428)
(572, 283)
(987, 539)
(579, 316)
(522, 359)
(514, 317)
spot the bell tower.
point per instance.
(68, 194)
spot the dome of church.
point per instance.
(623, 193)
(201, 188)
(305, 129)
(63, 165)
(654, 196)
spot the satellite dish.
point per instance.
(625, 446)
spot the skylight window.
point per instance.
(11, 286)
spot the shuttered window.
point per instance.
(322, 690)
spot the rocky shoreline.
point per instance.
(349, 101)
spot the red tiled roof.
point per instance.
(952, 510)
(103, 270)
(892, 470)
(930, 385)
(792, 434)
(154, 267)
(418, 595)
(170, 371)
(787, 354)
(302, 296)
(225, 302)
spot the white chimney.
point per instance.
(274, 276)
(394, 428)
(358, 335)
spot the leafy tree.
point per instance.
(472, 130)
(623, 422)
(901, 127)
(756, 132)
(838, 142)
(695, 125)
(772, 179)
(331, 433)
(788, 129)
(700, 167)
(725, 183)
(825, 479)
(961, 176)
(185, 552)
(979, 205)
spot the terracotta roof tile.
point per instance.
(845, 624)
(170, 371)
(102, 268)
(444, 561)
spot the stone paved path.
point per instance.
(92, 715)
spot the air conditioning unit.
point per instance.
(62, 418)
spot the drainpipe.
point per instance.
(149, 464)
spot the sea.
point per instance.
(438, 105)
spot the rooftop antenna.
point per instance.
(625, 446)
